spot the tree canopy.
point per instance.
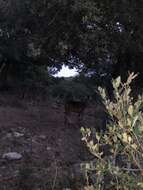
(105, 36)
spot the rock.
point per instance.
(42, 137)
(8, 136)
(12, 156)
(48, 148)
(17, 134)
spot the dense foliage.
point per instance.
(120, 166)
(105, 36)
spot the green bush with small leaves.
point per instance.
(122, 167)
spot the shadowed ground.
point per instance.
(37, 131)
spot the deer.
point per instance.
(77, 107)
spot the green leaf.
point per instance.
(118, 82)
(130, 110)
(136, 131)
(140, 184)
(135, 119)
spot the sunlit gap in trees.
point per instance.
(66, 72)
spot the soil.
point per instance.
(51, 150)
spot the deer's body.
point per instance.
(77, 107)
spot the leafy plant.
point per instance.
(122, 167)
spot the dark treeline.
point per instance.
(105, 36)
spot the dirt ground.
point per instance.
(50, 149)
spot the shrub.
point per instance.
(122, 167)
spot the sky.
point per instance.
(66, 72)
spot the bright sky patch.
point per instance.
(66, 72)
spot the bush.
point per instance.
(122, 167)
(68, 89)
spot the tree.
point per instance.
(124, 23)
(105, 36)
(45, 32)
